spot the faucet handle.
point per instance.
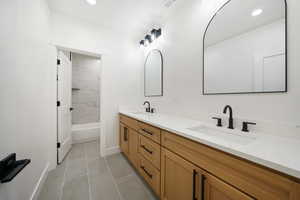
(245, 126)
(152, 110)
(219, 123)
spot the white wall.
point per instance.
(27, 87)
(120, 68)
(182, 49)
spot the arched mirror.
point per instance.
(245, 48)
(153, 76)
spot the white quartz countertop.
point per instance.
(276, 152)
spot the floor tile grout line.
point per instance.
(87, 172)
(113, 179)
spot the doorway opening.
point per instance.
(78, 99)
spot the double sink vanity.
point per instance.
(182, 159)
(244, 52)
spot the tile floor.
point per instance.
(84, 175)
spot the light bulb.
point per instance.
(256, 12)
(91, 2)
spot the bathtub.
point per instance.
(85, 132)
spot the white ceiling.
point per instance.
(131, 16)
(235, 18)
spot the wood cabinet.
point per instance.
(124, 139)
(180, 179)
(215, 189)
(150, 132)
(177, 168)
(133, 147)
(129, 122)
(150, 150)
(255, 180)
(150, 174)
(129, 140)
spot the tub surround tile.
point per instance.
(85, 76)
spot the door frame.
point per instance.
(94, 54)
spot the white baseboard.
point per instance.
(112, 150)
(40, 183)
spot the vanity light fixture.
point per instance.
(142, 43)
(148, 38)
(91, 2)
(256, 12)
(146, 43)
(155, 33)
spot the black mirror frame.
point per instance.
(162, 74)
(286, 56)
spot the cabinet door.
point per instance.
(133, 147)
(124, 139)
(216, 189)
(180, 179)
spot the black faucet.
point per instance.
(148, 109)
(230, 124)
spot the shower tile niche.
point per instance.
(85, 89)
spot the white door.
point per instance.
(274, 73)
(64, 96)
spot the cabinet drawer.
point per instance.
(255, 180)
(150, 150)
(149, 132)
(150, 174)
(132, 123)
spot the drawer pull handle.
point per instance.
(146, 131)
(194, 185)
(145, 148)
(125, 134)
(143, 168)
(203, 186)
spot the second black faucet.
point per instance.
(230, 123)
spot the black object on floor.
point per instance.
(10, 167)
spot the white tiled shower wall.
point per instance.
(86, 79)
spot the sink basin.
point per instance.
(233, 136)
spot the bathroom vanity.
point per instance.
(182, 164)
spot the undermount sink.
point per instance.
(233, 136)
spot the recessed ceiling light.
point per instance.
(256, 12)
(91, 2)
